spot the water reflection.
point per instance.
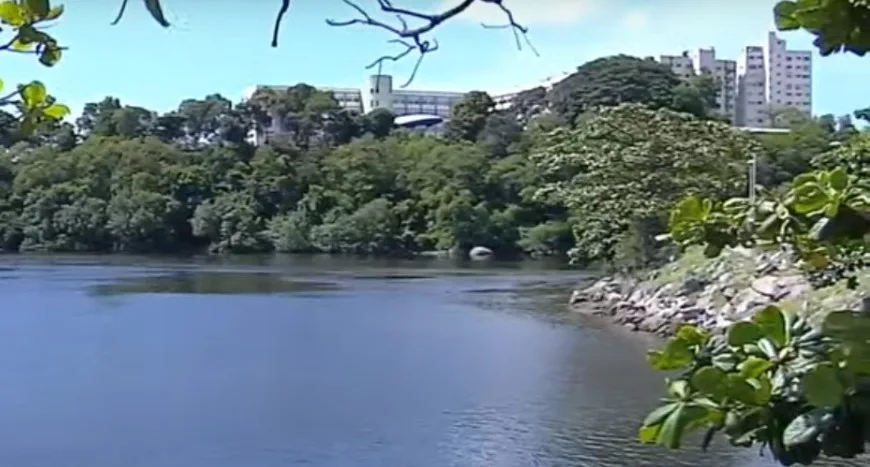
(204, 282)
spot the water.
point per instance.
(315, 363)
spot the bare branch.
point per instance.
(285, 5)
(411, 38)
(120, 12)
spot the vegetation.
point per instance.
(799, 390)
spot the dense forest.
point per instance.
(564, 171)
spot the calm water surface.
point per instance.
(134, 362)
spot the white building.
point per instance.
(772, 78)
(380, 94)
(789, 75)
(723, 72)
(682, 65)
(752, 108)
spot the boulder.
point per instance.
(480, 252)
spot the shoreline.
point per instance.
(711, 293)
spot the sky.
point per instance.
(223, 46)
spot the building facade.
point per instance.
(752, 108)
(723, 72)
(789, 76)
(381, 94)
(752, 89)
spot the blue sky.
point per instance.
(224, 47)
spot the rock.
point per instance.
(577, 296)
(480, 252)
(693, 284)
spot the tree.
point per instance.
(800, 389)
(839, 25)
(862, 114)
(611, 81)
(630, 163)
(469, 115)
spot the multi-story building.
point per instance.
(723, 72)
(752, 108)
(380, 94)
(682, 65)
(789, 75)
(773, 78)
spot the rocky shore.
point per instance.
(711, 293)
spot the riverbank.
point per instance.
(711, 293)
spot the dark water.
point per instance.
(132, 362)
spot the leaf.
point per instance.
(50, 55)
(784, 16)
(11, 14)
(709, 380)
(671, 432)
(839, 179)
(847, 326)
(806, 427)
(691, 335)
(648, 434)
(744, 332)
(1, 84)
(34, 94)
(753, 367)
(39, 8)
(810, 198)
(822, 387)
(156, 11)
(674, 355)
(772, 323)
(739, 389)
(54, 13)
(657, 416)
(56, 111)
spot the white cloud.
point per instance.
(528, 12)
(635, 20)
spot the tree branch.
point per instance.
(411, 38)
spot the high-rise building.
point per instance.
(723, 72)
(789, 76)
(752, 108)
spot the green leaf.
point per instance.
(675, 355)
(772, 322)
(56, 111)
(34, 94)
(658, 415)
(753, 367)
(691, 335)
(709, 380)
(847, 325)
(50, 55)
(39, 8)
(744, 332)
(822, 387)
(671, 432)
(1, 84)
(806, 427)
(784, 16)
(11, 14)
(839, 179)
(810, 198)
(739, 389)
(54, 13)
(156, 11)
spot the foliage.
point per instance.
(30, 104)
(775, 380)
(129, 179)
(620, 79)
(628, 163)
(839, 25)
